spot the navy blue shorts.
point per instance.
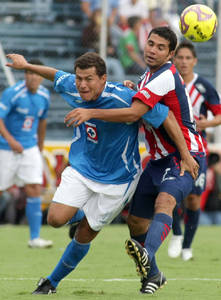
(162, 175)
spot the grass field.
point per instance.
(107, 272)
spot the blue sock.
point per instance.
(34, 216)
(158, 231)
(72, 255)
(77, 217)
(176, 222)
(191, 224)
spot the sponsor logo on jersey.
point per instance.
(145, 93)
(91, 132)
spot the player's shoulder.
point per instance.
(118, 88)
(203, 85)
(15, 90)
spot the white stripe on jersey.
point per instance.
(167, 83)
(44, 94)
(106, 94)
(124, 155)
(19, 94)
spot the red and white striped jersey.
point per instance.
(167, 87)
(204, 98)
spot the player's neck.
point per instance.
(188, 78)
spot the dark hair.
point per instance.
(132, 21)
(188, 45)
(166, 33)
(89, 60)
(213, 158)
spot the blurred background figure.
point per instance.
(23, 112)
(211, 197)
(129, 50)
(91, 35)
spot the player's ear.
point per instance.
(171, 54)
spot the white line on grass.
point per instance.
(110, 279)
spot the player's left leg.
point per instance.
(191, 221)
(34, 216)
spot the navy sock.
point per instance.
(153, 265)
(191, 221)
(71, 257)
(34, 216)
(158, 231)
(176, 221)
(153, 268)
(140, 238)
(77, 217)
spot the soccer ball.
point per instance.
(198, 23)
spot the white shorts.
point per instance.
(20, 168)
(100, 202)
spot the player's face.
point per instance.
(32, 81)
(185, 61)
(156, 52)
(89, 84)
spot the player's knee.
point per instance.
(54, 220)
(193, 202)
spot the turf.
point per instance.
(107, 272)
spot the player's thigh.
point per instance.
(143, 201)
(107, 202)
(59, 214)
(8, 168)
(30, 169)
(73, 189)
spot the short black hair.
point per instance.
(89, 60)
(133, 21)
(213, 158)
(167, 33)
(188, 45)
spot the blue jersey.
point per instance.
(106, 152)
(21, 111)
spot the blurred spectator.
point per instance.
(91, 35)
(131, 8)
(129, 51)
(89, 6)
(211, 198)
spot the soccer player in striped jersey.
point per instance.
(204, 98)
(104, 156)
(23, 113)
(160, 186)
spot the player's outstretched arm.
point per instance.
(188, 163)
(20, 63)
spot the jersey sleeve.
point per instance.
(157, 115)
(156, 89)
(212, 99)
(5, 102)
(64, 82)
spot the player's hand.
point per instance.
(77, 116)
(18, 61)
(16, 146)
(190, 165)
(130, 84)
(201, 124)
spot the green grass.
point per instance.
(107, 272)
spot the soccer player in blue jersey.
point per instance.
(204, 98)
(160, 186)
(23, 113)
(104, 156)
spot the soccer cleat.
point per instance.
(73, 228)
(44, 287)
(139, 255)
(40, 243)
(151, 285)
(187, 254)
(175, 246)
